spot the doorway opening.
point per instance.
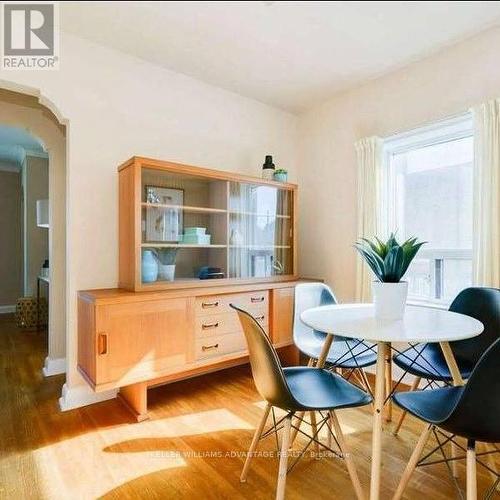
(33, 227)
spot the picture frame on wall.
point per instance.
(164, 224)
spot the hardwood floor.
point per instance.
(192, 447)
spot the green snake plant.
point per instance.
(389, 261)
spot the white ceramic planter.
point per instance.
(166, 272)
(389, 299)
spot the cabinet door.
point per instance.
(137, 341)
(282, 316)
(261, 231)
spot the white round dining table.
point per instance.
(419, 324)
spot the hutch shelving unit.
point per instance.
(251, 223)
(145, 334)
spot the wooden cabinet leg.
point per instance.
(135, 398)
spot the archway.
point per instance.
(26, 111)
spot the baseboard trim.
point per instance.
(54, 366)
(7, 309)
(82, 395)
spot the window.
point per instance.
(429, 195)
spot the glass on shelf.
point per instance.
(259, 262)
(176, 226)
(193, 223)
(253, 199)
(260, 231)
(172, 189)
(182, 210)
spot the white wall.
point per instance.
(36, 239)
(440, 86)
(117, 106)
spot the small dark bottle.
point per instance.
(268, 168)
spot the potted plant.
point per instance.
(389, 262)
(280, 175)
(166, 263)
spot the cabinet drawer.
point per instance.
(218, 346)
(221, 324)
(216, 304)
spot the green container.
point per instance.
(198, 231)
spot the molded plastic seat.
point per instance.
(480, 303)
(471, 411)
(344, 352)
(317, 389)
(432, 406)
(427, 361)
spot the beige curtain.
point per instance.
(486, 212)
(369, 152)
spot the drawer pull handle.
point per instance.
(209, 347)
(206, 305)
(102, 344)
(207, 327)
(256, 299)
(259, 318)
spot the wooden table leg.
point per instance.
(300, 414)
(452, 363)
(382, 350)
(457, 380)
(324, 351)
(320, 364)
(388, 386)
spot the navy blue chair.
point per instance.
(471, 411)
(296, 389)
(427, 361)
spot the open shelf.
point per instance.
(178, 245)
(195, 219)
(256, 214)
(260, 247)
(186, 208)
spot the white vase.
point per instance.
(389, 299)
(166, 272)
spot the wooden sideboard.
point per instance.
(135, 340)
(159, 327)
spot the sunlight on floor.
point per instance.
(116, 455)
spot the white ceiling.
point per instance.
(287, 54)
(15, 143)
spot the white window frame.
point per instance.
(458, 127)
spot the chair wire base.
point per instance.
(447, 460)
(277, 425)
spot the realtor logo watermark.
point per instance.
(30, 36)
